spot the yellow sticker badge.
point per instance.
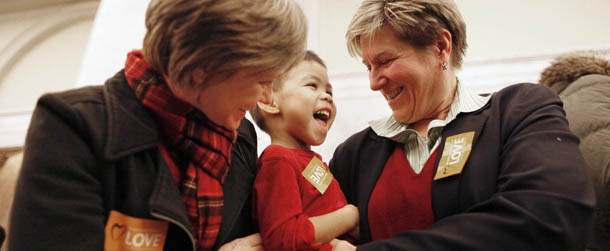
(134, 234)
(318, 174)
(456, 152)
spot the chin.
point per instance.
(317, 142)
(233, 125)
(400, 119)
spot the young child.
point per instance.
(298, 203)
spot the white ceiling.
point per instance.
(7, 6)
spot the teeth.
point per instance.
(390, 94)
(323, 114)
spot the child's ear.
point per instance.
(271, 108)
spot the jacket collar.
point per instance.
(130, 127)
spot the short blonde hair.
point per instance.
(416, 21)
(310, 56)
(222, 37)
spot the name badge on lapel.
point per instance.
(318, 174)
(134, 234)
(455, 154)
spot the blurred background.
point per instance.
(53, 45)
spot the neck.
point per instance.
(289, 142)
(441, 111)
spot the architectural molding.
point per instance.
(14, 124)
(43, 29)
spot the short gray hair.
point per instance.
(415, 21)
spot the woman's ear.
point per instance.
(444, 45)
(268, 107)
(199, 76)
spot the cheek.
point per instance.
(249, 95)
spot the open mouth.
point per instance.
(393, 93)
(322, 115)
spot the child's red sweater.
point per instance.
(284, 200)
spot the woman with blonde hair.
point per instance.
(159, 157)
(450, 169)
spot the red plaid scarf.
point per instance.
(196, 150)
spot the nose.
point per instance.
(377, 81)
(327, 97)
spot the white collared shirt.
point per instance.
(418, 148)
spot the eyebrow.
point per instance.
(376, 56)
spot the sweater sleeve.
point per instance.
(278, 207)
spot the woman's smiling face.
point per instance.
(409, 77)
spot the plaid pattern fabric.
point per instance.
(196, 150)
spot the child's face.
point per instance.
(306, 104)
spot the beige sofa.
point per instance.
(8, 179)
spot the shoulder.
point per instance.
(73, 99)
(80, 108)
(524, 91)
(360, 137)
(524, 97)
(84, 111)
(589, 85)
(276, 160)
(355, 142)
(275, 155)
(85, 101)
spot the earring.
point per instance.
(444, 66)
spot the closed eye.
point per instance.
(384, 62)
(312, 85)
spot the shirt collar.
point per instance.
(466, 100)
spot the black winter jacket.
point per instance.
(92, 150)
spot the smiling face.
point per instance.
(225, 100)
(305, 105)
(409, 78)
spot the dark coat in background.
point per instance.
(583, 83)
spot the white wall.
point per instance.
(510, 41)
(41, 50)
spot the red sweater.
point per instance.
(284, 200)
(401, 199)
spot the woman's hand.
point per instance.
(341, 245)
(251, 242)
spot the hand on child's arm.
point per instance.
(340, 245)
(329, 226)
(251, 242)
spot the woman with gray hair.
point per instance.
(450, 169)
(160, 157)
